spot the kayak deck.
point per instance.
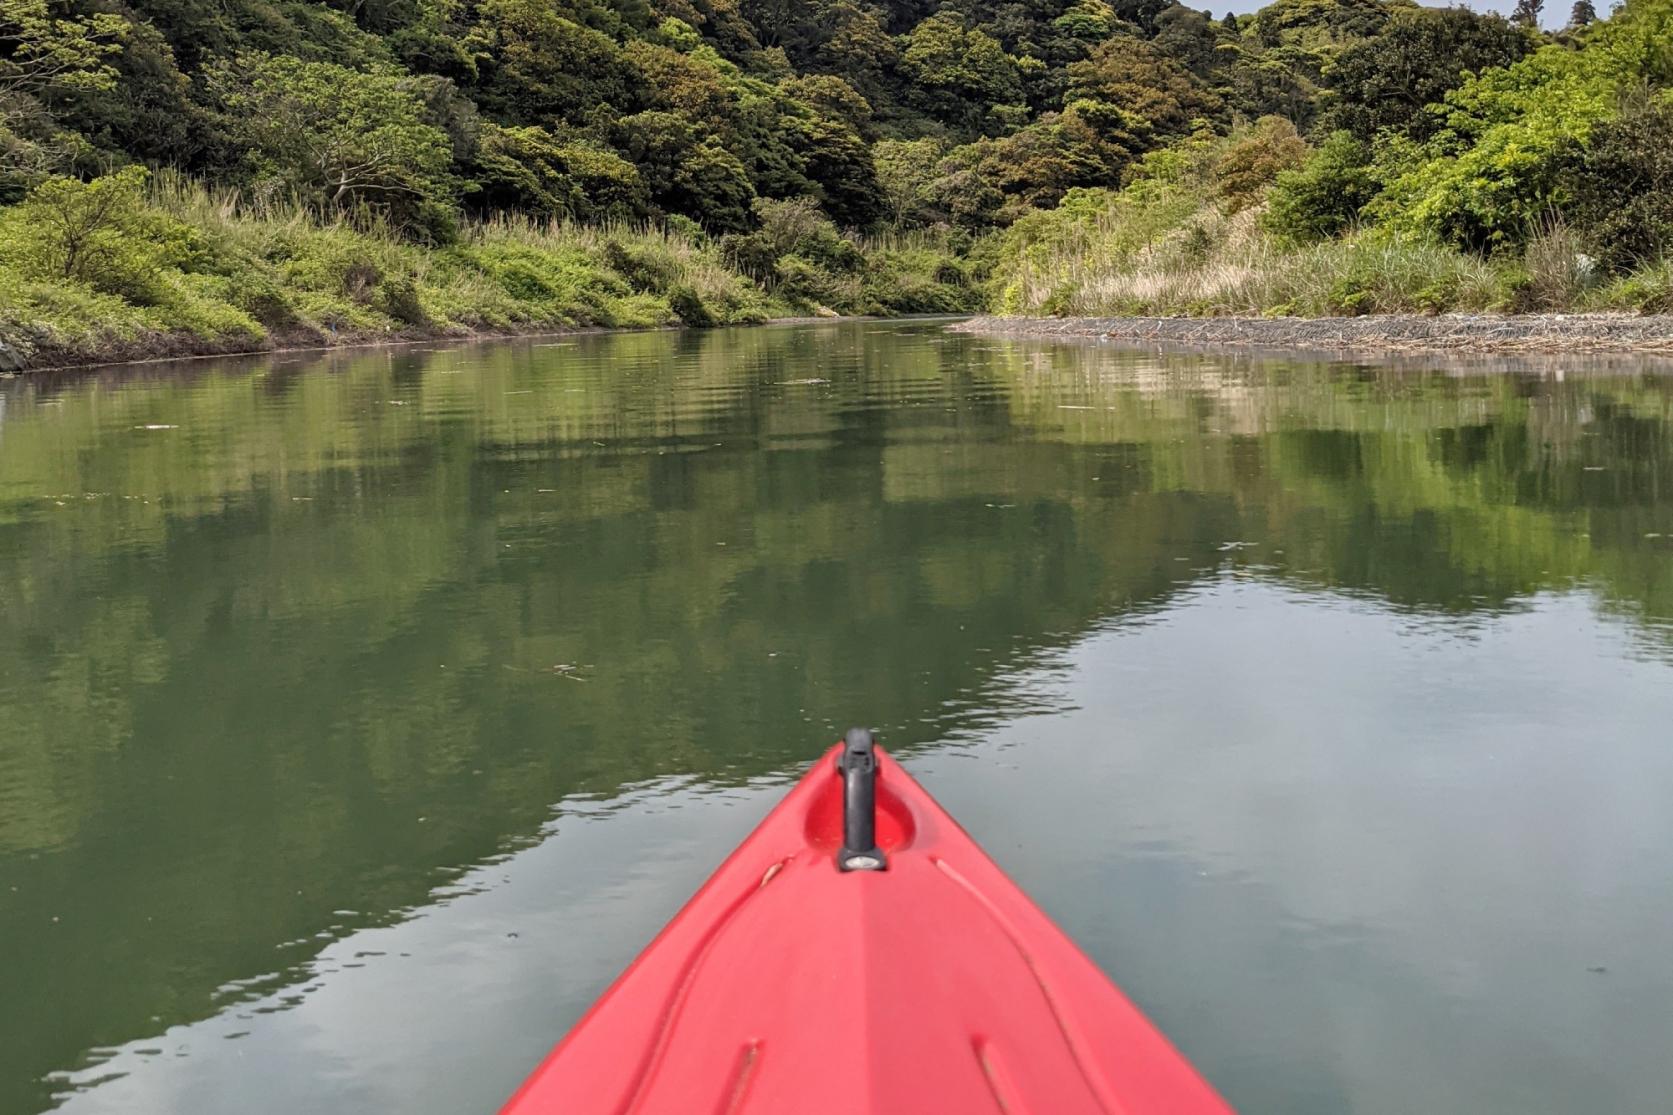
(790, 985)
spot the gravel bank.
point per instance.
(1387, 333)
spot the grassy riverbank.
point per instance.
(1538, 184)
(125, 268)
(1191, 235)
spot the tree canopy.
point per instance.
(967, 115)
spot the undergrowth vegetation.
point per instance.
(1540, 184)
(193, 176)
(1174, 241)
(120, 266)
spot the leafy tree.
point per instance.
(146, 111)
(1387, 81)
(686, 171)
(794, 227)
(906, 172)
(1270, 81)
(684, 83)
(80, 227)
(1319, 25)
(957, 73)
(1089, 21)
(840, 166)
(41, 52)
(1141, 13)
(32, 147)
(1134, 75)
(1036, 166)
(1621, 185)
(1324, 195)
(434, 40)
(1276, 64)
(1583, 14)
(336, 137)
(311, 32)
(785, 24)
(832, 97)
(847, 38)
(964, 190)
(1250, 164)
(1526, 13)
(852, 40)
(1186, 35)
(539, 67)
(996, 180)
(529, 169)
(1497, 167)
(766, 134)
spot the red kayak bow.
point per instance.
(859, 954)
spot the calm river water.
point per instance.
(361, 715)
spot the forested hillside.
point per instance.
(232, 173)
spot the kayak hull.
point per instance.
(787, 985)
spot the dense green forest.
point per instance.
(196, 175)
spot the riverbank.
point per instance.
(1382, 333)
(162, 353)
(161, 348)
(176, 271)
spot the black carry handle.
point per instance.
(858, 766)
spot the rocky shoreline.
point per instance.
(168, 347)
(1650, 334)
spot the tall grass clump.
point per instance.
(1647, 289)
(1556, 272)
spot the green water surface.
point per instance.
(361, 715)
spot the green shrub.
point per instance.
(645, 266)
(1324, 195)
(556, 283)
(795, 227)
(684, 228)
(100, 233)
(202, 305)
(36, 314)
(1647, 289)
(1252, 161)
(1621, 185)
(689, 308)
(226, 276)
(259, 294)
(1498, 165)
(918, 274)
(802, 281)
(398, 296)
